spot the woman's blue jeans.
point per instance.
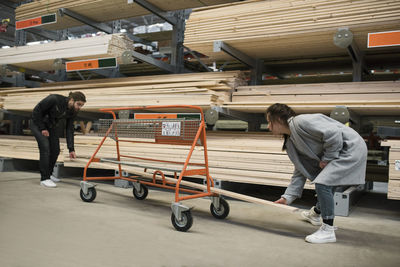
(325, 202)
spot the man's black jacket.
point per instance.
(49, 111)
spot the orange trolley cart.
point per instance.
(146, 125)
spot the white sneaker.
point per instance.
(48, 183)
(311, 216)
(325, 234)
(54, 179)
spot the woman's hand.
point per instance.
(282, 200)
(322, 164)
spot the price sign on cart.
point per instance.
(171, 128)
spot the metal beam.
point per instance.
(343, 38)
(109, 73)
(8, 6)
(129, 55)
(234, 114)
(41, 74)
(233, 52)
(99, 26)
(19, 81)
(49, 35)
(46, 34)
(156, 11)
(62, 34)
(256, 65)
(177, 57)
(358, 62)
(139, 40)
(198, 59)
(7, 42)
(20, 38)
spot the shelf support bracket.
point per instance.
(343, 38)
(256, 65)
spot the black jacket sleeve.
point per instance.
(70, 134)
(41, 110)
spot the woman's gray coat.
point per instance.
(315, 138)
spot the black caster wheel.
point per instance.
(142, 193)
(223, 210)
(90, 196)
(185, 223)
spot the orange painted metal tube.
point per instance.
(157, 160)
(195, 172)
(95, 153)
(195, 196)
(188, 158)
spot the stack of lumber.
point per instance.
(41, 57)
(102, 10)
(290, 28)
(201, 89)
(236, 157)
(394, 168)
(21, 147)
(364, 98)
(254, 158)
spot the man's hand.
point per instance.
(322, 164)
(45, 133)
(282, 200)
(72, 155)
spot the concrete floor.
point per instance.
(54, 227)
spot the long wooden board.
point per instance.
(41, 56)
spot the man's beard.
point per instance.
(72, 111)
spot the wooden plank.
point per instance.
(41, 57)
(194, 89)
(272, 30)
(103, 10)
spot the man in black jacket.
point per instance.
(47, 113)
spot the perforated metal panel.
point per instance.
(168, 131)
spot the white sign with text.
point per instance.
(172, 128)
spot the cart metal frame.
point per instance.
(187, 129)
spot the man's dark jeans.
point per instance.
(49, 148)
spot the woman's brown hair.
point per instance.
(280, 113)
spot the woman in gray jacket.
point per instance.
(324, 151)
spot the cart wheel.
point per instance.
(142, 193)
(90, 196)
(223, 210)
(184, 224)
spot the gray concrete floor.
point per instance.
(54, 227)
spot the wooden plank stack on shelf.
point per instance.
(289, 29)
(254, 158)
(202, 89)
(41, 57)
(20, 147)
(364, 98)
(394, 168)
(102, 10)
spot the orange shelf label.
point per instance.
(82, 65)
(382, 39)
(35, 22)
(23, 24)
